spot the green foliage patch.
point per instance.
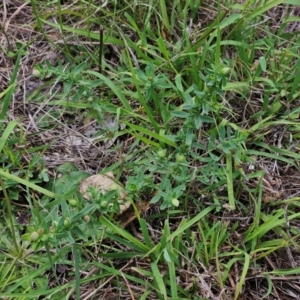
(207, 114)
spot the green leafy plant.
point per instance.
(71, 77)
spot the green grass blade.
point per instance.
(270, 286)
(183, 228)
(144, 140)
(229, 177)
(207, 32)
(9, 129)
(159, 281)
(218, 47)
(243, 276)
(189, 223)
(152, 134)
(269, 224)
(263, 8)
(278, 272)
(12, 83)
(2, 94)
(85, 33)
(272, 156)
(77, 271)
(296, 81)
(33, 274)
(173, 281)
(113, 271)
(120, 231)
(141, 98)
(164, 14)
(257, 216)
(281, 151)
(114, 88)
(145, 232)
(29, 184)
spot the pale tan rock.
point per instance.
(104, 182)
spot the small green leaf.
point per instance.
(180, 114)
(67, 87)
(79, 68)
(166, 255)
(262, 63)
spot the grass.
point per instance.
(194, 108)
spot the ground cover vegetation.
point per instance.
(190, 109)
